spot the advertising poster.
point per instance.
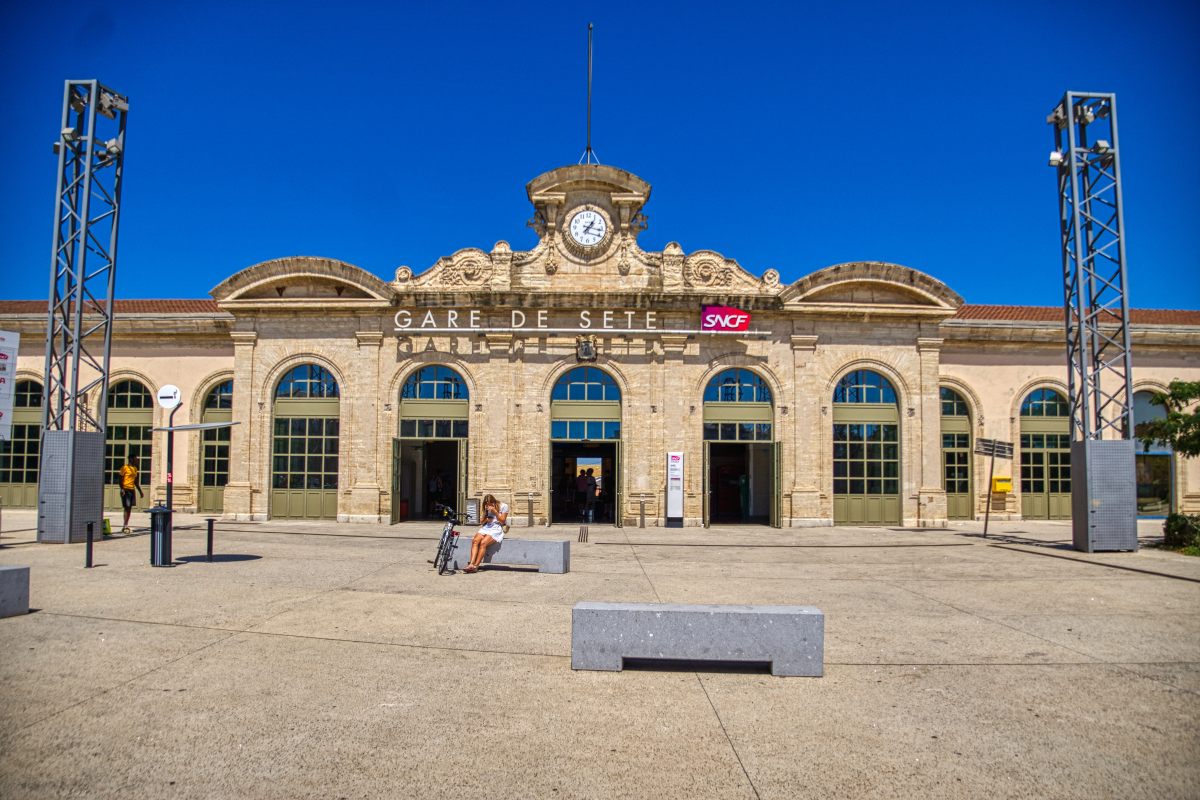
(8, 380)
(674, 490)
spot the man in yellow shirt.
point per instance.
(129, 483)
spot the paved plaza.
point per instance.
(330, 661)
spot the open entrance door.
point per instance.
(573, 499)
(395, 517)
(704, 516)
(460, 503)
(776, 485)
(618, 487)
(742, 483)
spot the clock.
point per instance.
(588, 231)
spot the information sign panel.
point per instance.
(9, 342)
(675, 490)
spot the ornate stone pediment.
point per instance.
(302, 282)
(867, 285)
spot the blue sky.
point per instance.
(790, 136)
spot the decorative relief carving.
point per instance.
(770, 279)
(403, 274)
(623, 258)
(470, 269)
(707, 269)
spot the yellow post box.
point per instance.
(1001, 484)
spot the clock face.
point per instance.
(588, 228)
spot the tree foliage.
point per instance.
(1181, 428)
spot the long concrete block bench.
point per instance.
(791, 638)
(552, 556)
(14, 591)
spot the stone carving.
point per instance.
(623, 259)
(770, 279)
(672, 266)
(552, 256)
(707, 269)
(468, 270)
(403, 274)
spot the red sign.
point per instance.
(724, 318)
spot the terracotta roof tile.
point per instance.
(1137, 316)
(204, 306)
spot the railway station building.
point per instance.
(853, 396)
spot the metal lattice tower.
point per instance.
(87, 206)
(1095, 286)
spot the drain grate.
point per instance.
(583, 533)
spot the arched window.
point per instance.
(220, 397)
(129, 394)
(953, 404)
(586, 383)
(864, 386)
(28, 395)
(1045, 403)
(737, 386)
(308, 381)
(434, 383)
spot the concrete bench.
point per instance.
(791, 638)
(14, 591)
(552, 556)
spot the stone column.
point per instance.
(238, 490)
(931, 509)
(668, 415)
(805, 419)
(364, 426)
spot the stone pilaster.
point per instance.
(364, 421)
(931, 496)
(238, 491)
(805, 415)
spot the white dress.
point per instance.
(493, 528)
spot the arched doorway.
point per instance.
(19, 455)
(1045, 456)
(585, 435)
(741, 468)
(214, 448)
(956, 455)
(429, 458)
(1155, 472)
(304, 463)
(866, 451)
(130, 420)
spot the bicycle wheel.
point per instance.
(437, 557)
(447, 547)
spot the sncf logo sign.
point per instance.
(724, 318)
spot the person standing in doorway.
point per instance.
(129, 483)
(590, 502)
(581, 487)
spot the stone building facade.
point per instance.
(768, 419)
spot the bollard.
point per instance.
(530, 499)
(210, 532)
(642, 518)
(88, 563)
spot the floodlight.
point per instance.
(68, 134)
(113, 146)
(1100, 146)
(1056, 158)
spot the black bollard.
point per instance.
(210, 532)
(88, 563)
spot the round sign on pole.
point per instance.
(168, 396)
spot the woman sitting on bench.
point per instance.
(495, 521)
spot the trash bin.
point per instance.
(160, 536)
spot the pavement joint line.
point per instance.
(798, 546)
(252, 632)
(1080, 653)
(1096, 563)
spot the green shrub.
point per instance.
(1181, 530)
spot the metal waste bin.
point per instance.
(160, 536)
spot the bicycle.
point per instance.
(449, 541)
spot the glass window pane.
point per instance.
(839, 433)
(612, 392)
(331, 427)
(408, 428)
(331, 446)
(612, 430)
(558, 429)
(839, 487)
(314, 446)
(595, 430)
(595, 391)
(728, 430)
(442, 429)
(856, 486)
(839, 450)
(331, 463)
(560, 391)
(856, 469)
(710, 431)
(891, 487)
(460, 429)
(746, 431)
(839, 469)
(763, 432)
(578, 391)
(425, 429)
(576, 429)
